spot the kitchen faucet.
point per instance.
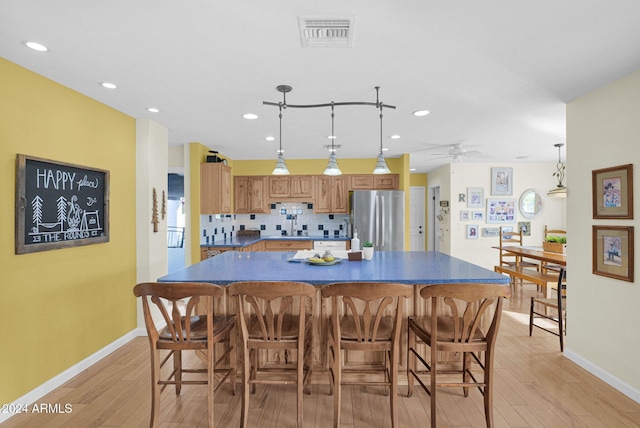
(294, 220)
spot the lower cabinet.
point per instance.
(288, 245)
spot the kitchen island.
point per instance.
(419, 268)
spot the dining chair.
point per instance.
(273, 316)
(552, 232)
(366, 317)
(508, 238)
(557, 304)
(187, 311)
(464, 319)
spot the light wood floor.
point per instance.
(535, 387)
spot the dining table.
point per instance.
(537, 253)
(417, 268)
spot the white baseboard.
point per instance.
(55, 382)
(605, 376)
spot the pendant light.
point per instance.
(560, 191)
(381, 164)
(281, 167)
(332, 166)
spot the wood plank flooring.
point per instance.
(535, 387)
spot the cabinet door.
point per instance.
(322, 203)
(361, 182)
(302, 186)
(257, 196)
(215, 188)
(339, 195)
(386, 182)
(279, 187)
(225, 189)
(241, 194)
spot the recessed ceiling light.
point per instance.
(153, 110)
(522, 157)
(250, 116)
(412, 169)
(395, 137)
(421, 113)
(385, 149)
(331, 137)
(36, 46)
(108, 85)
(270, 138)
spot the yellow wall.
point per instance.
(58, 307)
(313, 166)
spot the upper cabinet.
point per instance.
(250, 194)
(298, 187)
(215, 188)
(374, 182)
(332, 194)
(385, 182)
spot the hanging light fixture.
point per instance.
(332, 166)
(560, 191)
(381, 164)
(281, 167)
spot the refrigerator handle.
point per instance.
(382, 225)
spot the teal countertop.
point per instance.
(408, 267)
(245, 241)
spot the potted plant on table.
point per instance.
(367, 250)
(554, 244)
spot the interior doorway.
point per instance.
(417, 225)
(435, 228)
(175, 222)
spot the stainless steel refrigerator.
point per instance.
(378, 216)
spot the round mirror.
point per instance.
(530, 203)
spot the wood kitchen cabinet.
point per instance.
(250, 195)
(386, 182)
(287, 245)
(361, 182)
(332, 194)
(215, 188)
(298, 187)
(279, 186)
(373, 182)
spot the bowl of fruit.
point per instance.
(327, 259)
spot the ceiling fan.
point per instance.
(457, 151)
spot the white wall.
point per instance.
(151, 172)
(603, 335)
(441, 178)
(455, 178)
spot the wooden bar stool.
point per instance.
(186, 332)
(455, 325)
(366, 316)
(269, 319)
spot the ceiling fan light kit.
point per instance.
(332, 166)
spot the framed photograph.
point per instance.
(501, 210)
(478, 215)
(525, 228)
(475, 197)
(59, 205)
(613, 252)
(472, 231)
(613, 192)
(464, 215)
(492, 232)
(501, 181)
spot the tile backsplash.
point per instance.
(283, 216)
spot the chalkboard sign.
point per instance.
(59, 205)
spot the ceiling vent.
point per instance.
(323, 32)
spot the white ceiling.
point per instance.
(495, 74)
